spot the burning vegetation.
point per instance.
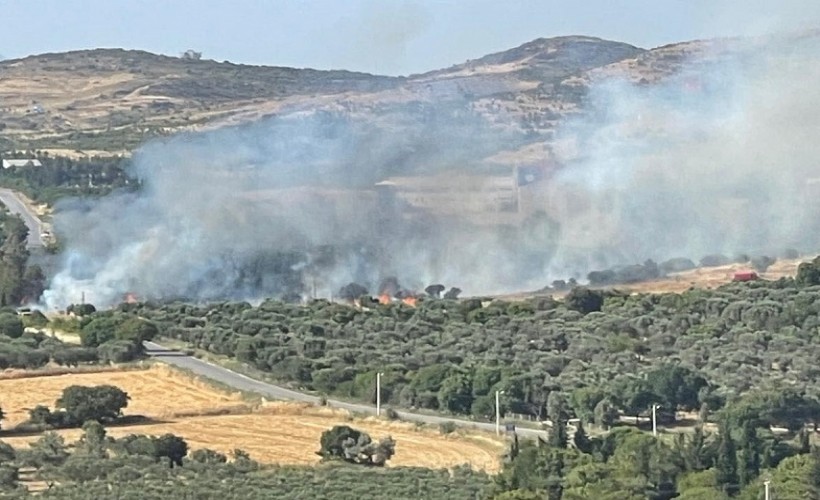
(390, 291)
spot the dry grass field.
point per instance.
(704, 277)
(156, 392)
(711, 277)
(272, 432)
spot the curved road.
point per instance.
(245, 383)
(16, 205)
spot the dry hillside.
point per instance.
(113, 99)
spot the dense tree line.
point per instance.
(19, 349)
(597, 348)
(626, 463)
(60, 176)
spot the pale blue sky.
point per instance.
(387, 36)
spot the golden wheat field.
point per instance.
(272, 432)
(156, 392)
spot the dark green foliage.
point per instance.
(637, 350)
(11, 325)
(726, 462)
(584, 300)
(81, 309)
(107, 327)
(580, 439)
(808, 273)
(100, 403)
(61, 176)
(677, 386)
(172, 447)
(350, 445)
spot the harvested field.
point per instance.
(703, 277)
(272, 432)
(155, 392)
(711, 277)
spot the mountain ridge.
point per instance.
(115, 99)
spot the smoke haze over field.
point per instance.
(715, 160)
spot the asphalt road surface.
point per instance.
(15, 204)
(245, 383)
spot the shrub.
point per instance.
(447, 427)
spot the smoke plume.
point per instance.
(720, 158)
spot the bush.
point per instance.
(348, 444)
(11, 325)
(206, 456)
(447, 427)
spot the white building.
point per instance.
(29, 162)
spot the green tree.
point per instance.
(584, 401)
(11, 325)
(605, 414)
(677, 386)
(584, 300)
(93, 441)
(136, 330)
(456, 393)
(581, 439)
(104, 402)
(173, 447)
(726, 465)
(808, 273)
(50, 449)
(557, 413)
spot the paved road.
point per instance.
(16, 205)
(245, 383)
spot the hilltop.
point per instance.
(113, 99)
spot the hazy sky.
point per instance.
(387, 36)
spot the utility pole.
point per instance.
(654, 420)
(379, 393)
(498, 412)
(766, 489)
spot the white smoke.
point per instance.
(714, 160)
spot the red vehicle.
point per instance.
(745, 276)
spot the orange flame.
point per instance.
(384, 299)
(130, 298)
(410, 301)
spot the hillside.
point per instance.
(113, 99)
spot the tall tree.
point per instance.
(557, 413)
(726, 476)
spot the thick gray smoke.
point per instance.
(720, 158)
(287, 206)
